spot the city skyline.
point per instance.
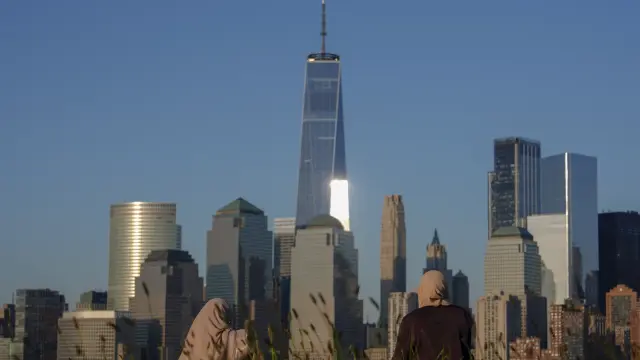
(107, 156)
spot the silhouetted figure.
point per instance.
(437, 329)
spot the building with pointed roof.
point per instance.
(436, 254)
(437, 260)
(239, 257)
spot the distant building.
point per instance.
(7, 321)
(135, 229)
(621, 303)
(324, 288)
(400, 304)
(393, 252)
(569, 187)
(92, 300)
(591, 285)
(375, 336)
(265, 314)
(91, 334)
(498, 323)
(36, 335)
(460, 290)
(618, 238)
(512, 267)
(284, 237)
(558, 278)
(514, 183)
(239, 257)
(7, 331)
(167, 298)
(569, 330)
(525, 349)
(437, 260)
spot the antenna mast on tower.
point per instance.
(324, 27)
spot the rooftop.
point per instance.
(324, 221)
(515, 139)
(239, 206)
(170, 256)
(512, 231)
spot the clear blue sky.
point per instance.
(199, 102)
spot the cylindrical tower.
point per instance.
(136, 229)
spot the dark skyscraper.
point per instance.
(168, 296)
(514, 183)
(619, 252)
(239, 257)
(322, 152)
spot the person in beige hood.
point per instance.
(437, 330)
(433, 289)
(211, 338)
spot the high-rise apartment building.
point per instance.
(569, 187)
(619, 252)
(96, 334)
(621, 304)
(239, 255)
(514, 183)
(460, 290)
(323, 187)
(400, 304)
(393, 252)
(498, 323)
(167, 298)
(136, 229)
(568, 326)
(36, 324)
(512, 267)
(324, 286)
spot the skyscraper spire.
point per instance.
(436, 238)
(324, 27)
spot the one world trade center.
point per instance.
(322, 180)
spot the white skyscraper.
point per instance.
(324, 282)
(400, 304)
(569, 187)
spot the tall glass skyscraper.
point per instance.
(514, 183)
(322, 185)
(570, 187)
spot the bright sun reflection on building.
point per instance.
(339, 207)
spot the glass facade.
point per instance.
(322, 153)
(569, 186)
(514, 183)
(136, 229)
(239, 257)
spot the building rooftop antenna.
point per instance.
(324, 27)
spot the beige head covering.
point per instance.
(211, 338)
(433, 289)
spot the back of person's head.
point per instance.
(433, 289)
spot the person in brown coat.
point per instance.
(437, 330)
